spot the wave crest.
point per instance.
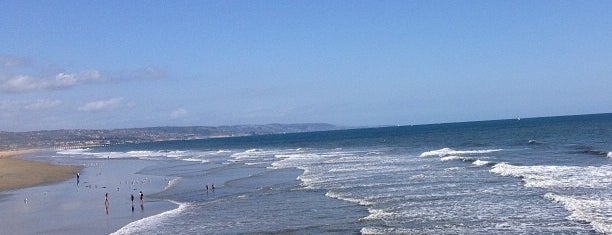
(145, 224)
(444, 152)
(558, 176)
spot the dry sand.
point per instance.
(18, 173)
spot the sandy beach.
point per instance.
(59, 204)
(18, 173)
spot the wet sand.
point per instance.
(71, 207)
(19, 173)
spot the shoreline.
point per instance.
(70, 207)
(16, 173)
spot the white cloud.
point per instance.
(19, 83)
(71, 79)
(43, 104)
(26, 79)
(146, 73)
(101, 105)
(24, 83)
(178, 113)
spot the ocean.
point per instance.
(519, 176)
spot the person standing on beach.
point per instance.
(132, 201)
(141, 198)
(78, 178)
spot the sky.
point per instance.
(124, 64)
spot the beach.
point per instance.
(18, 173)
(50, 200)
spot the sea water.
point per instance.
(535, 176)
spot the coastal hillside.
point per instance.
(64, 139)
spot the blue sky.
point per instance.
(119, 64)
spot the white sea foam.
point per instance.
(73, 151)
(454, 169)
(450, 158)
(195, 160)
(387, 230)
(312, 176)
(377, 214)
(255, 163)
(146, 224)
(297, 160)
(348, 197)
(474, 161)
(418, 176)
(591, 207)
(172, 183)
(366, 169)
(258, 156)
(347, 176)
(372, 230)
(558, 176)
(481, 163)
(609, 154)
(448, 152)
(193, 156)
(594, 210)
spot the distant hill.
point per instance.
(64, 139)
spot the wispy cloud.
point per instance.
(36, 105)
(178, 113)
(138, 74)
(43, 104)
(101, 105)
(27, 79)
(25, 83)
(149, 72)
(12, 61)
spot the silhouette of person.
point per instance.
(106, 203)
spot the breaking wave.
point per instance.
(592, 205)
(585, 209)
(147, 223)
(558, 176)
(450, 152)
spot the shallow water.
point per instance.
(544, 175)
(71, 208)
